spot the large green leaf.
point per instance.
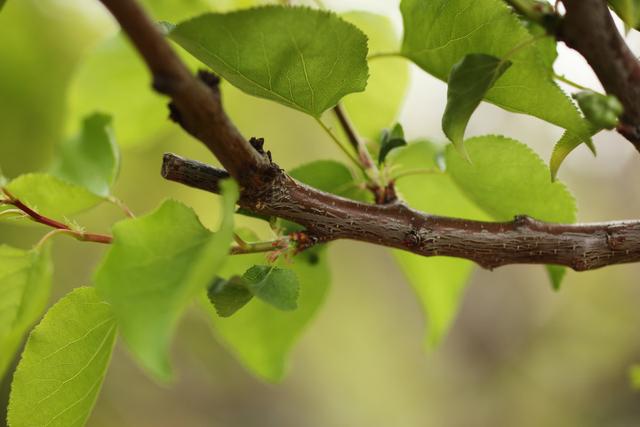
(153, 270)
(64, 363)
(25, 284)
(507, 178)
(91, 159)
(260, 335)
(51, 196)
(439, 33)
(388, 79)
(302, 58)
(469, 81)
(439, 282)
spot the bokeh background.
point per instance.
(518, 354)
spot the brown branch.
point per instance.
(269, 191)
(588, 28)
(522, 241)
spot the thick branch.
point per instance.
(522, 241)
(589, 28)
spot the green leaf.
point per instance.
(601, 110)
(64, 363)
(439, 33)
(391, 140)
(90, 159)
(635, 377)
(302, 58)
(51, 196)
(469, 81)
(2, 2)
(565, 145)
(260, 335)
(229, 296)
(388, 78)
(332, 177)
(156, 266)
(627, 10)
(25, 284)
(506, 179)
(439, 282)
(276, 286)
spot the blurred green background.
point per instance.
(518, 354)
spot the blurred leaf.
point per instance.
(388, 78)
(601, 110)
(332, 177)
(469, 81)
(627, 10)
(439, 282)
(556, 274)
(91, 159)
(439, 33)
(2, 2)
(506, 179)
(309, 67)
(229, 296)
(64, 363)
(635, 377)
(260, 335)
(25, 284)
(565, 145)
(391, 140)
(276, 286)
(156, 266)
(50, 196)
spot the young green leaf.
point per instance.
(91, 159)
(635, 376)
(25, 284)
(507, 178)
(273, 285)
(302, 58)
(565, 145)
(628, 11)
(601, 110)
(439, 282)
(64, 363)
(439, 33)
(229, 296)
(391, 140)
(155, 267)
(469, 81)
(260, 335)
(388, 78)
(51, 196)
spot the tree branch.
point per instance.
(588, 28)
(522, 241)
(269, 191)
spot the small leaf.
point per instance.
(635, 377)
(506, 179)
(601, 110)
(90, 159)
(390, 141)
(276, 286)
(51, 196)
(25, 284)
(628, 11)
(565, 145)
(439, 282)
(556, 275)
(302, 58)
(64, 363)
(156, 266)
(260, 335)
(469, 81)
(229, 296)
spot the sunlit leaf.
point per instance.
(388, 78)
(156, 266)
(439, 282)
(302, 58)
(25, 284)
(91, 159)
(439, 33)
(469, 81)
(51, 196)
(259, 334)
(507, 178)
(64, 363)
